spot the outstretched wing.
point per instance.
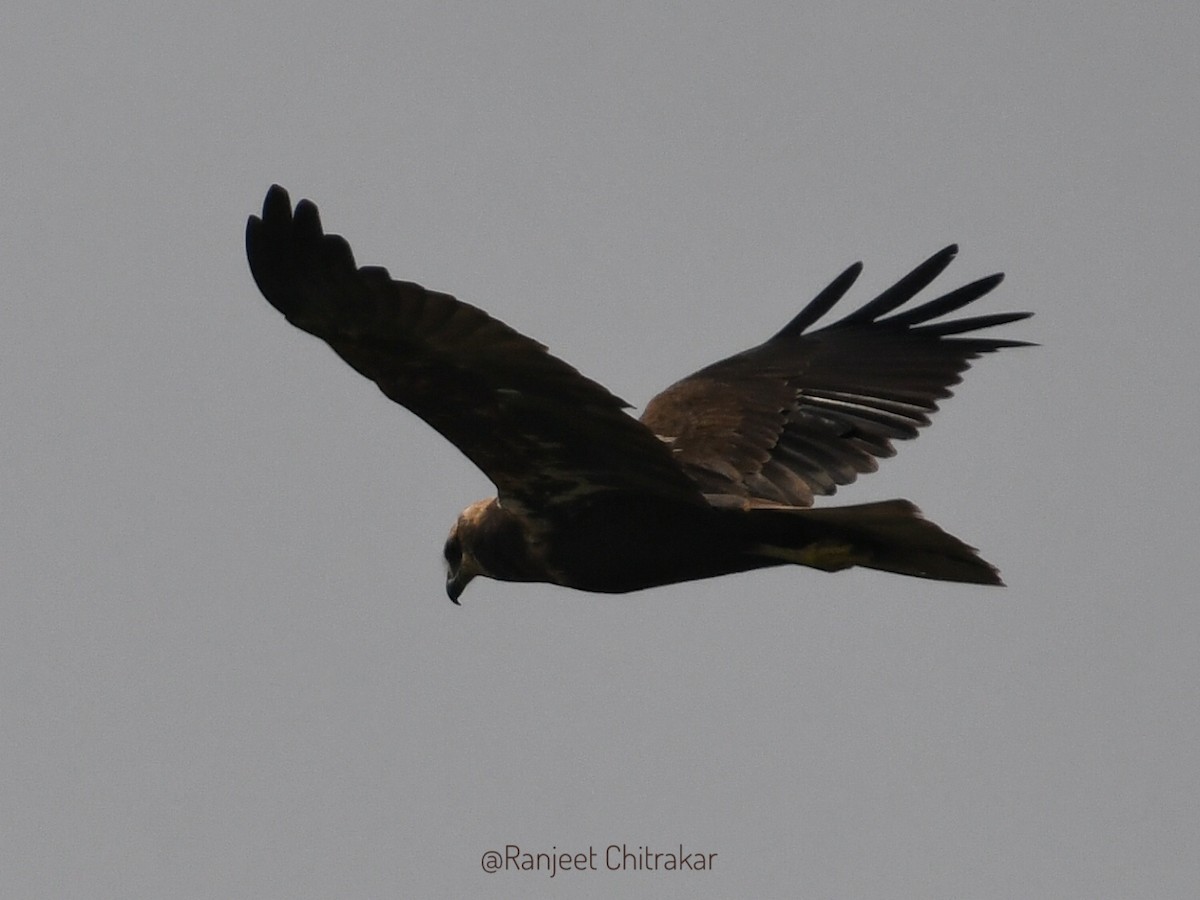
(808, 411)
(541, 431)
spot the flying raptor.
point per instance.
(718, 475)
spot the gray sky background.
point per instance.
(227, 664)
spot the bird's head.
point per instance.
(461, 563)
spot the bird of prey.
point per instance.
(718, 475)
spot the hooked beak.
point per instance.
(457, 584)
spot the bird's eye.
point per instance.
(453, 553)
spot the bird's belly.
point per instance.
(620, 547)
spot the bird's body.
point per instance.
(609, 543)
(715, 478)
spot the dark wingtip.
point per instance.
(277, 197)
(903, 290)
(307, 220)
(263, 237)
(277, 205)
(942, 258)
(820, 304)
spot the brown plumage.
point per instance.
(717, 475)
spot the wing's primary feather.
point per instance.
(822, 303)
(540, 430)
(904, 289)
(808, 411)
